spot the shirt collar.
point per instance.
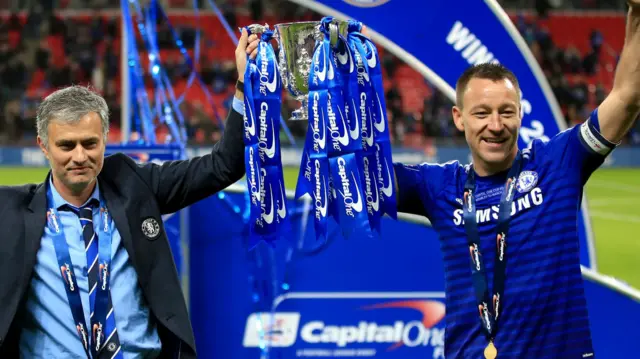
(59, 202)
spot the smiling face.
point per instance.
(75, 151)
(489, 114)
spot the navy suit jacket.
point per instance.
(133, 193)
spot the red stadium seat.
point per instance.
(217, 46)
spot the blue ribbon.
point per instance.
(382, 155)
(332, 162)
(223, 21)
(359, 88)
(268, 218)
(345, 152)
(192, 75)
(92, 338)
(170, 106)
(252, 160)
(155, 68)
(262, 101)
(191, 65)
(314, 167)
(144, 114)
(489, 307)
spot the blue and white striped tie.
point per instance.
(111, 347)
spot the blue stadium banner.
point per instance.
(351, 324)
(441, 38)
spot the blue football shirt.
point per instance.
(544, 310)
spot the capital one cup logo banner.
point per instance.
(351, 325)
(441, 38)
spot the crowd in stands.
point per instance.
(42, 49)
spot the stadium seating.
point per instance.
(216, 46)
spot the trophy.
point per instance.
(296, 43)
(333, 71)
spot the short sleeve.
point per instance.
(581, 149)
(418, 183)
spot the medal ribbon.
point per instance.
(68, 276)
(485, 306)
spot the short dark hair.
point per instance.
(489, 71)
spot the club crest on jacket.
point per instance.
(150, 228)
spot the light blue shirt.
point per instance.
(238, 105)
(48, 328)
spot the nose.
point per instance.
(495, 123)
(79, 154)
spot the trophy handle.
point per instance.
(257, 28)
(333, 35)
(339, 30)
(281, 58)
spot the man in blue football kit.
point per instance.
(508, 221)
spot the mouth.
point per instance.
(78, 169)
(494, 142)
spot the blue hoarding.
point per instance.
(347, 298)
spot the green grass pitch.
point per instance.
(613, 196)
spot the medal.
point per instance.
(490, 352)
(485, 302)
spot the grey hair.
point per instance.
(69, 105)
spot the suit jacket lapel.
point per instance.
(35, 219)
(120, 217)
(143, 261)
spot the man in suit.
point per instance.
(85, 266)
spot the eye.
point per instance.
(481, 114)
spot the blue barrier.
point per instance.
(33, 157)
(341, 291)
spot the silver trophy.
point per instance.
(296, 44)
(297, 41)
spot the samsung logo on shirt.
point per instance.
(531, 199)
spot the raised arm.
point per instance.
(618, 111)
(418, 186)
(178, 184)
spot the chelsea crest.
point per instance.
(526, 181)
(150, 228)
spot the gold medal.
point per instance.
(490, 352)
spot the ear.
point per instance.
(43, 148)
(456, 112)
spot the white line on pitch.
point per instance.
(614, 186)
(615, 217)
(609, 202)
